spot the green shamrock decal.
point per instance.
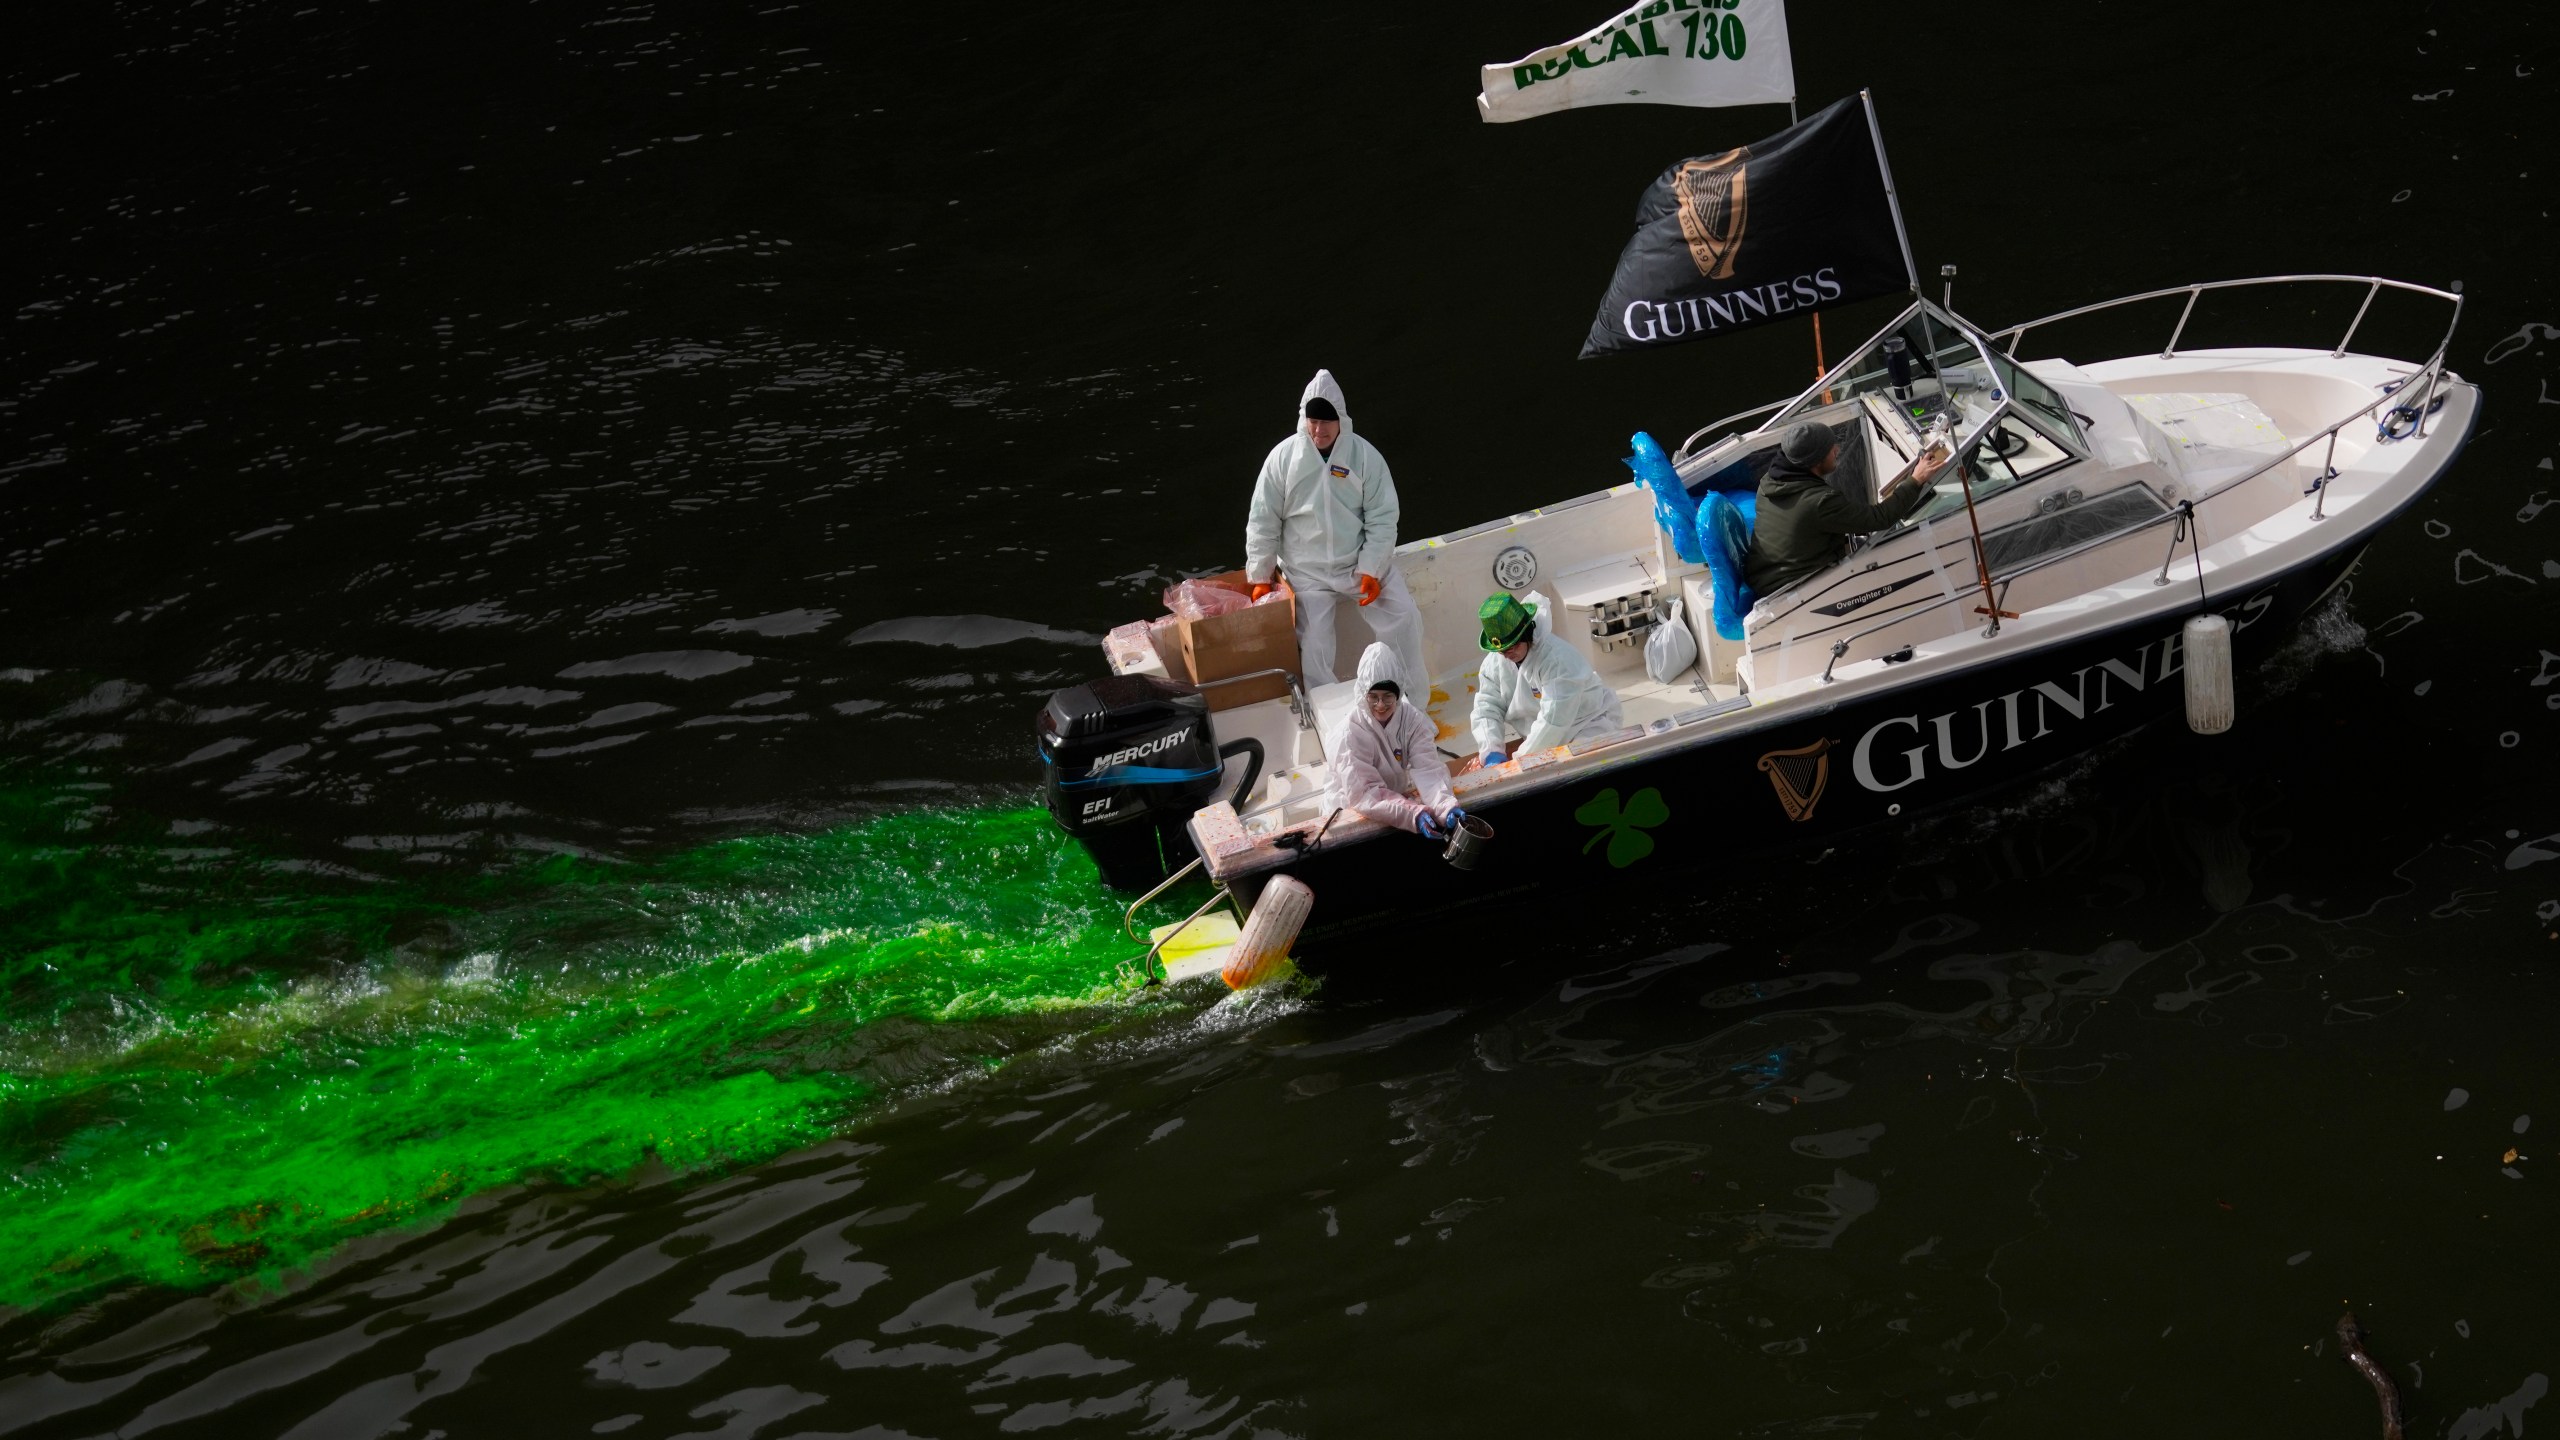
(1624, 827)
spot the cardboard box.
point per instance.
(1238, 643)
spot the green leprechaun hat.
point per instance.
(1506, 621)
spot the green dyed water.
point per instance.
(217, 1067)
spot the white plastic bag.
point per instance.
(1671, 650)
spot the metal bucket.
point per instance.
(1468, 841)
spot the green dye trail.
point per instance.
(216, 1068)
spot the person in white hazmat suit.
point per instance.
(1525, 662)
(1324, 516)
(1385, 758)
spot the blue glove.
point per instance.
(1493, 758)
(1424, 824)
(1457, 817)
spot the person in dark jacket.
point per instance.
(1803, 523)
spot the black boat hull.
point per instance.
(1814, 779)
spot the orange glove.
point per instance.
(1257, 590)
(1369, 588)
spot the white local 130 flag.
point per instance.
(1660, 52)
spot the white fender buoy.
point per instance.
(1263, 946)
(2210, 706)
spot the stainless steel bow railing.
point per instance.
(2374, 285)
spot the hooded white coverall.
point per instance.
(1376, 769)
(1573, 703)
(1325, 521)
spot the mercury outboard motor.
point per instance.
(1127, 761)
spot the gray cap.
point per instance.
(1806, 442)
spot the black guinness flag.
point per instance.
(1798, 222)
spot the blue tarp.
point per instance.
(1673, 509)
(1724, 538)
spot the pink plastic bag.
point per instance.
(1198, 600)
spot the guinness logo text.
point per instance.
(1647, 320)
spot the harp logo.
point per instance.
(1714, 210)
(1799, 776)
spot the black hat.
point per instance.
(1319, 408)
(1390, 687)
(1806, 442)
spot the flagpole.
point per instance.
(1909, 267)
(1819, 368)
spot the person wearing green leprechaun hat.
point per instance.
(1571, 701)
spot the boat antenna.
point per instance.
(1891, 199)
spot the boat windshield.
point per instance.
(2008, 453)
(2051, 411)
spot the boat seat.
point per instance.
(1332, 703)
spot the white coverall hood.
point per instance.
(1324, 385)
(1377, 663)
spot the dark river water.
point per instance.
(530, 536)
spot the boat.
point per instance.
(2036, 607)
